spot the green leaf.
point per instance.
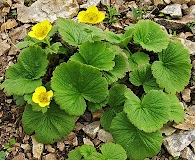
(116, 95)
(119, 70)
(150, 36)
(138, 144)
(95, 106)
(173, 70)
(73, 82)
(95, 54)
(120, 39)
(19, 100)
(177, 111)
(143, 76)
(2, 155)
(77, 33)
(149, 114)
(75, 154)
(137, 59)
(113, 151)
(22, 45)
(53, 31)
(49, 127)
(116, 101)
(24, 76)
(54, 48)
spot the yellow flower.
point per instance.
(40, 30)
(91, 15)
(42, 97)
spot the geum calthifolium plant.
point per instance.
(94, 69)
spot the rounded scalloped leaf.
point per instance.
(77, 33)
(150, 36)
(49, 127)
(173, 70)
(138, 144)
(143, 76)
(113, 151)
(149, 114)
(95, 54)
(24, 76)
(138, 59)
(119, 70)
(73, 82)
(177, 111)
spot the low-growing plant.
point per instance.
(112, 14)
(108, 151)
(58, 79)
(2, 155)
(8, 146)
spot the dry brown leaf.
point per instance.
(11, 23)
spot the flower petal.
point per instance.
(35, 98)
(31, 34)
(40, 90)
(43, 104)
(49, 94)
(81, 16)
(101, 17)
(92, 9)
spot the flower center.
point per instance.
(41, 32)
(91, 17)
(43, 97)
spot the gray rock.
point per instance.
(61, 145)
(174, 10)
(186, 95)
(90, 3)
(105, 136)
(180, 1)
(158, 2)
(49, 148)
(47, 9)
(167, 1)
(49, 156)
(175, 24)
(192, 10)
(188, 154)
(189, 45)
(193, 29)
(37, 149)
(87, 142)
(105, 2)
(92, 129)
(177, 142)
(4, 47)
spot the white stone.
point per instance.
(90, 3)
(37, 149)
(60, 145)
(167, 1)
(50, 156)
(188, 154)
(92, 129)
(192, 10)
(180, 1)
(87, 142)
(49, 148)
(47, 9)
(189, 45)
(177, 142)
(105, 136)
(174, 10)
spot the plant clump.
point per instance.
(99, 68)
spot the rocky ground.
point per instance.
(16, 17)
